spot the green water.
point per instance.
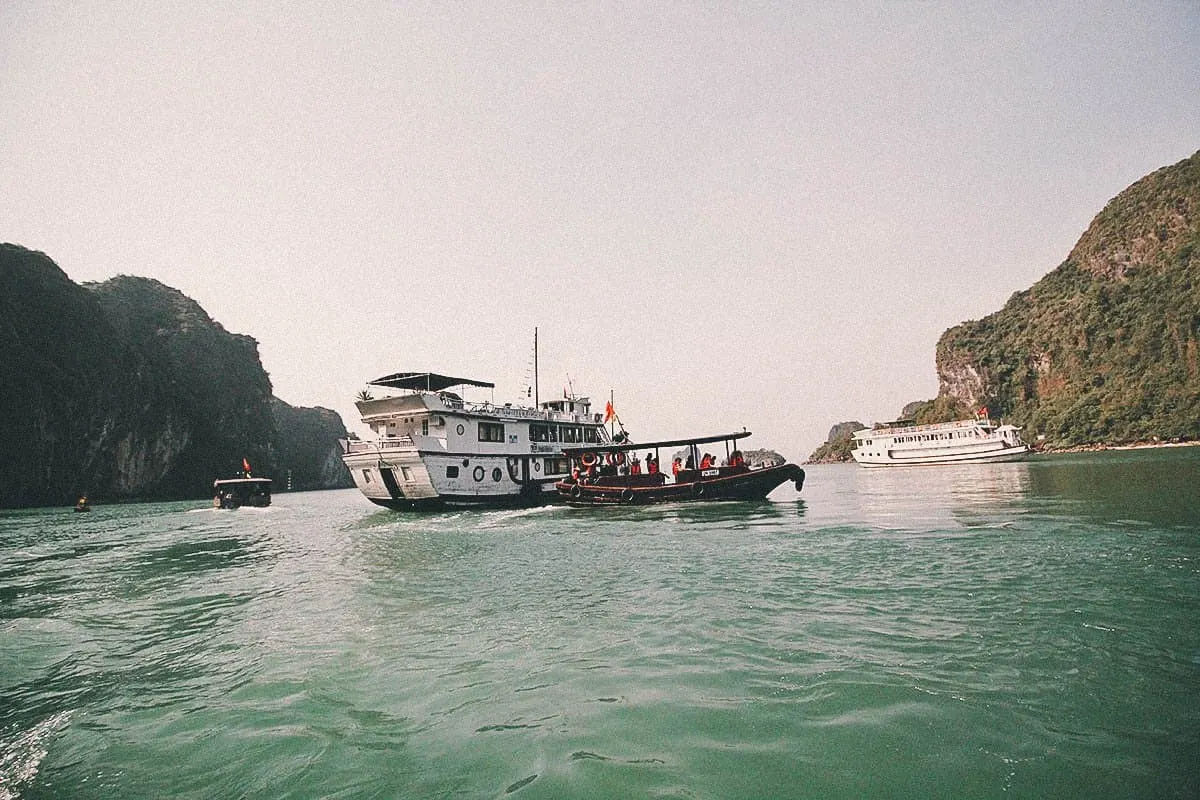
(1009, 630)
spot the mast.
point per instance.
(536, 404)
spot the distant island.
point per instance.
(1102, 351)
(128, 390)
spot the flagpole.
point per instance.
(536, 404)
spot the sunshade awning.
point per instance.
(607, 448)
(427, 381)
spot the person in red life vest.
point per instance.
(676, 465)
(706, 462)
(635, 466)
(736, 460)
(651, 464)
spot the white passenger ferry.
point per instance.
(967, 440)
(434, 449)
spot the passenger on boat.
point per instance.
(635, 467)
(707, 461)
(651, 464)
(691, 463)
(676, 465)
(736, 459)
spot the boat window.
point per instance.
(542, 433)
(571, 435)
(366, 476)
(556, 466)
(425, 427)
(407, 473)
(491, 432)
(451, 472)
(591, 435)
(496, 474)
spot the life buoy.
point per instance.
(576, 491)
(478, 474)
(588, 459)
(627, 496)
(616, 459)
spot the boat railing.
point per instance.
(936, 426)
(378, 445)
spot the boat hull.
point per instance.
(916, 459)
(708, 486)
(413, 480)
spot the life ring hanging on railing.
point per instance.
(616, 459)
(588, 459)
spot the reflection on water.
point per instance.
(1156, 485)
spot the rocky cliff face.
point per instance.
(837, 445)
(128, 389)
(1105, 347)
(309, 454)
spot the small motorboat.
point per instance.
(237, 492)
(82, 505)
(611, 474)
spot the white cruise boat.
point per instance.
(433, 449)
(967, 440)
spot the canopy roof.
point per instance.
(428, 381)
(612, 448)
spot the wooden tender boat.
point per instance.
(605, 474)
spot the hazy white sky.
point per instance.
(730, 214)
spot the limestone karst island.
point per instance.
(128, 390)
(1103, 350)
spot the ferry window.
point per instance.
(451, 472)
(491, 432)
(496, 474)
(571, 435)
(542, 433)
(591, 435)
(407, 473)
(556, 466)
(366, 476)
(425, 427)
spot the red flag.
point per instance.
(245, 466)
(609, 413)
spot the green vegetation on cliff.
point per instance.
(838, 445)
(1104, 348)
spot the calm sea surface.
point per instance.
(1015, 630)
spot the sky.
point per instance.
(726, 215)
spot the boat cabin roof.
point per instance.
(427, 381)
(240, 481)
(625, 446)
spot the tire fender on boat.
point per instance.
(697, 490)
(627, 496)
(576, 491)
